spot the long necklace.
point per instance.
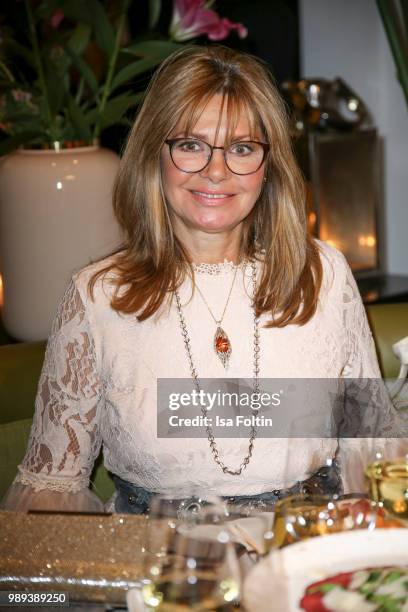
(221, 342)
(194, 376)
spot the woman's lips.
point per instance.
(211, 198)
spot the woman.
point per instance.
(217, 271)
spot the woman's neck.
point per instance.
(212, 248)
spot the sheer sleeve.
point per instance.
(65, 438)
(381, 428)
(361, 357)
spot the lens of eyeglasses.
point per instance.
(191, 155)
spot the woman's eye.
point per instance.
(189, 146)
(241, 148)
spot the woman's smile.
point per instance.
(211, 198)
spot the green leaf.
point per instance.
(10, 144)
(104, 33)
(79, 39)
(404, 13)
(93, 13)
(77, 10)
(20, 116)
(387, 603)
(83, 68)
(114, 109)
(68, 132)
(396, 42)
(154, 12)
(55, 86)
(324, 588)
(132, 70)
(46, 8)
(393, 576)
(79, 119)
(25, 52)
(152, 48)
(374, 575)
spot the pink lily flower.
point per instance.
(192, 18)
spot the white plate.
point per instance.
(279, 581)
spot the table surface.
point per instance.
(96, 560)
(384, 288)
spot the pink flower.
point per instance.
(192, 18)
(56, 18)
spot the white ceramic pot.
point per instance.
(56, 216)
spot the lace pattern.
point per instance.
(215, 269)
(65, 437)
(99, 382)
(40, 482)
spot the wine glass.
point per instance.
(304, 516)
(387, 477)
(308, 506)
(189, 558)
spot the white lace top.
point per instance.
(98, 386)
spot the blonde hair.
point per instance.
(153, 262)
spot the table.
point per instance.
(93, 557)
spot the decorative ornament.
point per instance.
(222, 346)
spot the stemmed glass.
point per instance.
(189, 558)
(304, 516)
(387, 477)
(309, 507)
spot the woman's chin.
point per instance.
(216, 224)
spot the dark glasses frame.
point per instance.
(172, 141)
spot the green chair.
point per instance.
(389, 323)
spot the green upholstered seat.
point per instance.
(13, 441)
(20, 368)
(389, 323)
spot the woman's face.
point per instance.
(189, 195)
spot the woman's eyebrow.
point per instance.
(200, 136)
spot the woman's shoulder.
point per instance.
(336, 271)
(333, 261)
(330, 256)
(99, 275)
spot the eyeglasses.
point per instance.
(193, 155)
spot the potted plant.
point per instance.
(78, 74)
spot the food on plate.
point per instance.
(382, 589)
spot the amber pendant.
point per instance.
(222, 346)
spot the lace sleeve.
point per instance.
(362, 359)
(369, 410)
(65, 439)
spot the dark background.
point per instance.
(273, 30)
(273, 35)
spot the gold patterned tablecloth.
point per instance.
(94, 557)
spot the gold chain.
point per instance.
(218, 322)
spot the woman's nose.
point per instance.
(216, 170)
